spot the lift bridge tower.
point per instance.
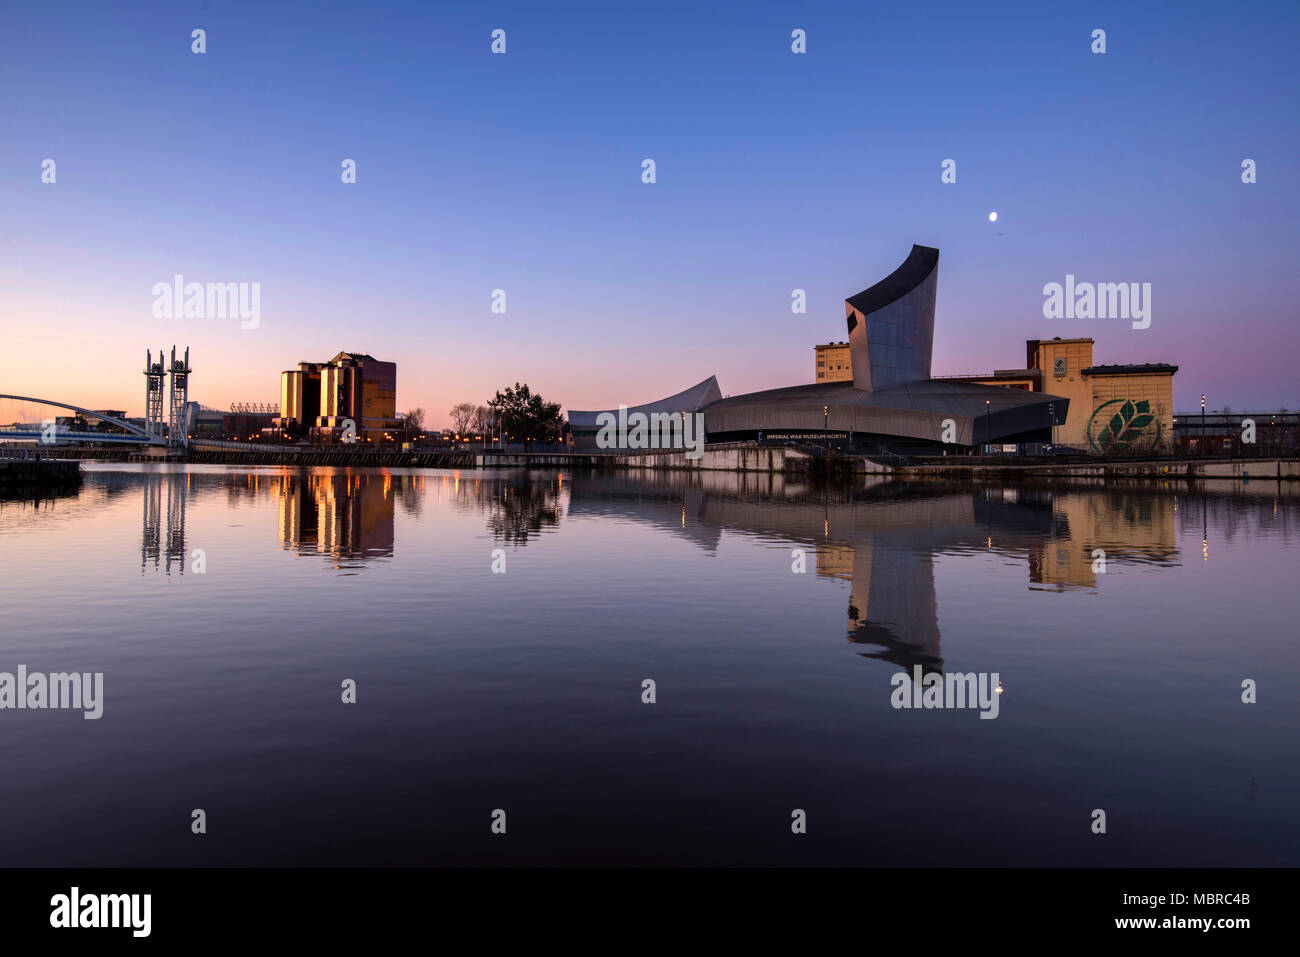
(178, 426)
(154, 373)
(174, 430)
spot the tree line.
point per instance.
(516, 413)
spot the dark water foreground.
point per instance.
(226, 607)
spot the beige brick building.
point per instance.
(833, 363)
(1112, 408)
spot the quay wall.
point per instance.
(1164, 470)
(39, 473)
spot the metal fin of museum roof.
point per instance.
(688, 400)
(920, 262)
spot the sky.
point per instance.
(522, 172)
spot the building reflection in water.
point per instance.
(881, 538)
(891, 599)
(176, 487)
(1090, 528)
(347, 517)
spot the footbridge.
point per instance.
(45, 429)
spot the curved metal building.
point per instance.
(893, 402)
(891, 325)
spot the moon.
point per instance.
(993, 217)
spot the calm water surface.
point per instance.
(522, 691)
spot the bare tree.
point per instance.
(481, 415)
(461, 414)
(415, 419)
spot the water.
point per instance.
(522, 691)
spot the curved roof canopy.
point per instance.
(689, 400)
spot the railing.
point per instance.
(539, 448)
(358, 448)
(243, 446)
(32, 454)
(893, 458)
(812, 448)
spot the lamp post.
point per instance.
(1204, 450)
(1051, 412)
(826, 425)
(986, 426)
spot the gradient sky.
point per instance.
(776, 171)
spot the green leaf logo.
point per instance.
(1128, 429)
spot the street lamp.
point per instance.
(1204, 450)
(1051, 412)
(826, 423)
(986, 426)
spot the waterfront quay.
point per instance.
(39, 467)
(27, 470)
(753, 457)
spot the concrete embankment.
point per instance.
(728, 458)
(1159, 469)
(714, 458)
(747, 457)
(36, 474)
(752, 458)
(307, 457)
